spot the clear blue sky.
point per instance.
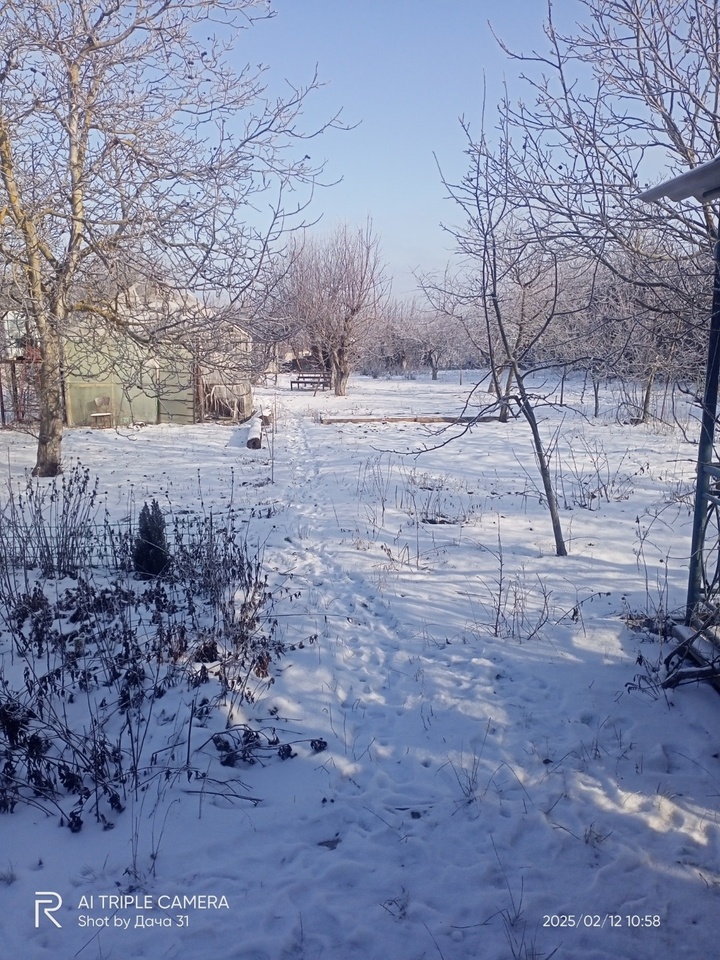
(404, 71)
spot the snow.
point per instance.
(487, 770)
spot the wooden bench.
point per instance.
(311, 381)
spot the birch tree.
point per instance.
(127, 137)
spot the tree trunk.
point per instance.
(544, 467)
(340, 371)
(504, 404)
(48, 463)
(340, 381)
(648, 397)
(596, 396)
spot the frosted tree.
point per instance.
(128, 142)
(333, 291)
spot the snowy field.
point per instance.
(490, 787)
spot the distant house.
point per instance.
(149, 363)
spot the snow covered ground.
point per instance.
(490, 788)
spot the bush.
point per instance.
(90, 660)
(51, 526)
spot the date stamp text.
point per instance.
(601, 920)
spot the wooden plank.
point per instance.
(422, 418)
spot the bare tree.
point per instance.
(392, 347)
(454, 301)
(516, 285)
(634, 90)
(437, 339)
(555, 194)
(333, 292)
(409, 335)
(128, 143)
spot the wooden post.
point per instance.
(697, 577)
(14, 392)
(199, 393)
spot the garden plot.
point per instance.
(441, 756)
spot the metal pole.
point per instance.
(705, 449)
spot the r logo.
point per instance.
(48, 903)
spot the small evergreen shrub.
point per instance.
(150, 554)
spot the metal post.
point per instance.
(705, 449)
